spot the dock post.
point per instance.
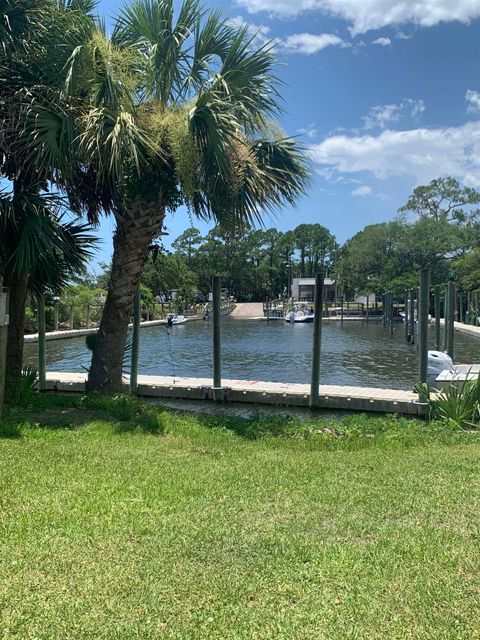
(317, 341)
(42, 367)
(55, 315)
(217, 364)
(445, 321)
(390, 314)
(3, 343)
(384, 310)
(469, 307)
(135, 342)
(412, 316)
(461, 316)
(341, 310)
(437, 317)
(422, 312)
(405, 319)
(366, 310)
(451, 318)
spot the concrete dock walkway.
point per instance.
(332, 397)
(248, 311)
(464, 328)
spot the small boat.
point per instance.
(402, 316)
(301, 312)
(442, 371)
(174, 318)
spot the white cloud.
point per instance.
(383, 114)
(364, 190)
(383, 42)
(400, 35)
(309, 131)
(423, 154)
(260, 32)
(309, 43)
(364, 15)
(473, 101)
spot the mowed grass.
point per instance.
(123, 521)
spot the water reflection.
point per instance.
(355, 354)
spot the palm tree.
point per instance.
(39, 248)
(192, 128)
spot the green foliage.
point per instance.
(437, 229)
(28, 384)
(457, 404)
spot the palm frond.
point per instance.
(38, 239)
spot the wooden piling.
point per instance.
(317, 341)
(4, 297)
(451, 318)
(437, 318)
(137, 313)
(412, 316)
(422, 318)
(406, 320)
(217, 372)
(42, 348)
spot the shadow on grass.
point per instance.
(9, 429)
(253, 428)
(123, 413)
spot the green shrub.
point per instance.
(457, 404)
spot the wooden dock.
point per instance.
(332, 397)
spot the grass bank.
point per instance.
(122, 521)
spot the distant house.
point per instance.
(304, 289)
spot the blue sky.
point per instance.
(385, 93)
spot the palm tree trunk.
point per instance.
(133, 236)
(18, 285)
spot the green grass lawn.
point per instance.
(119, 520)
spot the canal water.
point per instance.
(355, 354)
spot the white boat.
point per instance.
(442, 371)
(174, 318)
(301, 312)
(402, 316)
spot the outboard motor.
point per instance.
(437, 362)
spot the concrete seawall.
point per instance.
(75, 333)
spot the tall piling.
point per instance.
(412, 316)
(423, 305)
(42, 343)
(217, 361)
(4, 299)
(451, 318)
(317, 341)
(436, 303)
(137, 312)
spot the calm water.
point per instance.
(355, 354)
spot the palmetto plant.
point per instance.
(458, 403)
(180, 114)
